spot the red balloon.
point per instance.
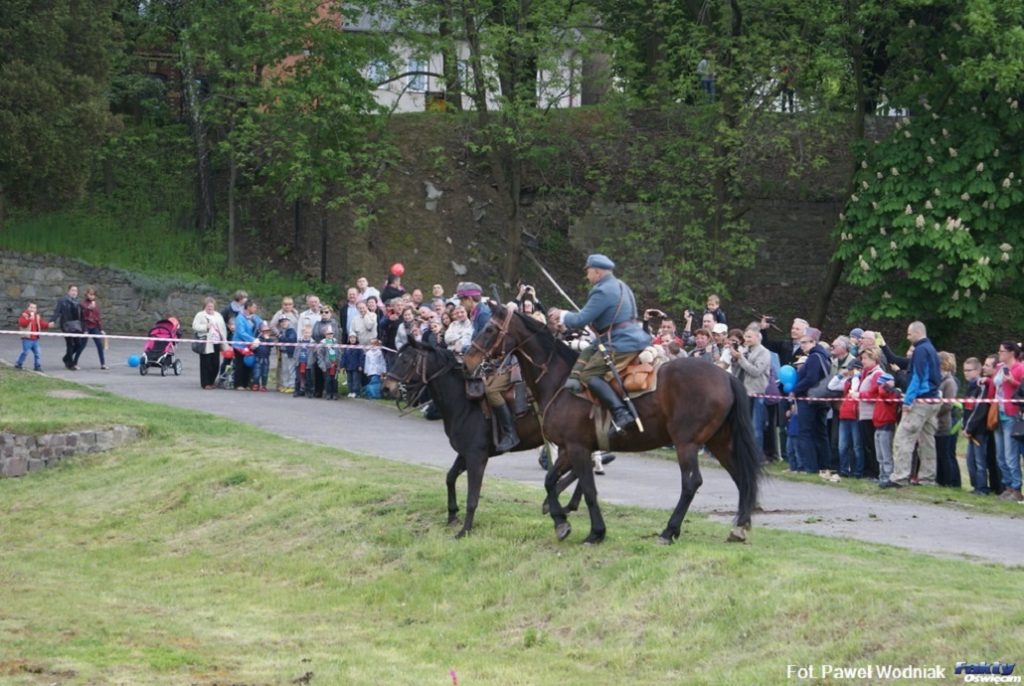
(397, 269)
(229, 354)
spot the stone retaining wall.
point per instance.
(20, 454)
(129, 303)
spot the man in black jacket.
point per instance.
(68, 314)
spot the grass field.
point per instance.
(958, 498)
(210, 553)
(158, 253)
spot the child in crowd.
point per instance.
(714, 308)
(262, 352)
(30, 324)
(374, 368)
(352, 362)
(327, 358)
(287, 336)
(792, 428)
(229, 323)
(305, 358)
(884, 419)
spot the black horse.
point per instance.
(695, 404)
(468, 429)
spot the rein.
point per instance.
(500, 342)
(419, 370)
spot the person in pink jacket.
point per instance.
(1009, 375)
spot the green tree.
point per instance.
(695, 185)
(277, 99)
(935, 221)
(55, 62)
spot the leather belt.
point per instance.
(619, 325)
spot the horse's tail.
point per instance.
(745, 454)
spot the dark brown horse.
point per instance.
(695, 404)
(418, 366)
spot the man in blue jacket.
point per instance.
(919, 419)
(611, 311)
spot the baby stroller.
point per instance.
(160, 353)
(226, 377)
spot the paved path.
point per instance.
(631, 480)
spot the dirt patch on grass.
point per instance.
(16, 667)
(68, 394)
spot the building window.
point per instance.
(417, 82)
(377, 72)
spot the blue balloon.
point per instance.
(787, 377)
(249, 360)
(134, 360)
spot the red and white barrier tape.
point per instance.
(239, 344)
(927, 401)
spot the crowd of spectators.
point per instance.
(853, 407)
(857, 408)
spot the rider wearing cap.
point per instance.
(611, 311)
(470, 297)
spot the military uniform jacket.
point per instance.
(611, 310)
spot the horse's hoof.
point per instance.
(662, 540)
(593, 540)
(737, 535)
(454, 521)
(545, 508)
(562, 530)
(462, 534)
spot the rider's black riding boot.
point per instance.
(621, 416)
(507, 426)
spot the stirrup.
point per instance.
(620, 422)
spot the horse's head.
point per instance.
(493, 341)
(413, 368)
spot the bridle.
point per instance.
(499, 344)
(417, 374)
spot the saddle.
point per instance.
(517, 396)
(639, 376)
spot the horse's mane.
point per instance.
(547, 339)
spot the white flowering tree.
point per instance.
(935, 221)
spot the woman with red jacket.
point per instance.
(1009, 375)
(92, 324)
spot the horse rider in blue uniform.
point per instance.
(611, 311)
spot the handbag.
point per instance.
(821, 389)
(1017, 428)
(199, 347)
(72, 326)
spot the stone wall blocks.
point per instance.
(20, 454)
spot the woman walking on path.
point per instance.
(93, 325)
